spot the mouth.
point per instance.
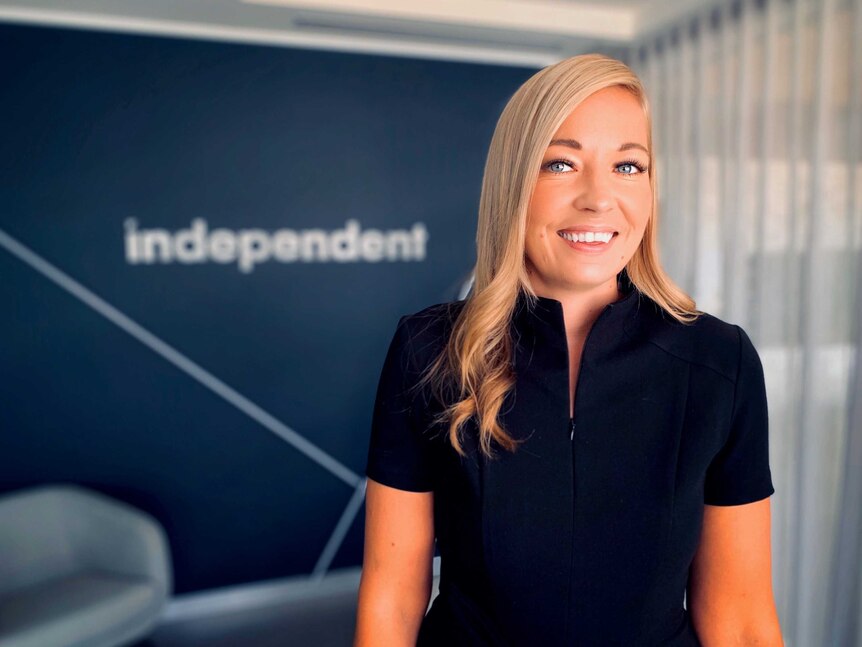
(592, 238)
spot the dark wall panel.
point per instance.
(104, 134)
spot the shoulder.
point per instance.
(438, 315)
(426, 331)
(708, 341)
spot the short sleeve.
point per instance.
(398, 455)
(739, 473)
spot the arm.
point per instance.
(730, 586)
(395, 585)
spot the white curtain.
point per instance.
(758, 117)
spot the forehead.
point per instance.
(612, 116)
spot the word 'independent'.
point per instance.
(250, 247)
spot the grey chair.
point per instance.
(79, 569)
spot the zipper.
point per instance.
(568, 629)
(581, 366)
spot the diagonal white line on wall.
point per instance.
(340, 531)
(182, 362)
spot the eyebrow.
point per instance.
(574, 143)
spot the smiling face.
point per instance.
(592, 198)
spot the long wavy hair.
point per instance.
(473, 373)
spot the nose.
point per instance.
(594, 192)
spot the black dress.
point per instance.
(584, 536)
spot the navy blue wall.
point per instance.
(100, 128)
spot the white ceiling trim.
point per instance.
(276, 37)
(528, 33)
(570, 19)
(657, 15)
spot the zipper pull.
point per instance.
(572, 428)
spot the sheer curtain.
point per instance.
(758, 116)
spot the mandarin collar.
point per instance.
(543, 322)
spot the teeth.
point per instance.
(587, 236)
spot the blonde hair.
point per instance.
(473, 373)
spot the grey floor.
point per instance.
(269, 614)
(285, 613)
(322, 623)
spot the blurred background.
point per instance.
(215, 211)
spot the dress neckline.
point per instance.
(543, 319)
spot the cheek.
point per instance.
(536, 220)
(543, 203)
(646, 203)
(537, 243)
(534, 243)
(638, 206)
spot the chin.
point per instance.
(589, 279)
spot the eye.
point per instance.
(631, 167)
(557, 166)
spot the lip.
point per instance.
(589, 248)
(588, 228)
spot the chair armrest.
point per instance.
(111, 536)
(34, 546)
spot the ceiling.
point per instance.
(516, 32)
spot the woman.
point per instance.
(586, 446)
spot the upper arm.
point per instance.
(400, 470)
(730, 586)
(399, 453)
(739, 473)
(396, 579)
